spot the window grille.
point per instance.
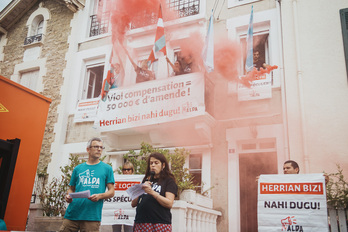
(33, 39)
(99, 25)
(184, 8)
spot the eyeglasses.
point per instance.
(97, 147)
(127, 169)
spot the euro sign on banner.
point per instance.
(293, 202)
(118, 210)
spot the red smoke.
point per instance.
(254, 74)
(227, 58)
(227, 53)
(135, 11)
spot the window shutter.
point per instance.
(344, 24)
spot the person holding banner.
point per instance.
(291, 167)
(153, 207)
(87, 191)
(143, 72)
(127, 169)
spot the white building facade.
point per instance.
(233, 138)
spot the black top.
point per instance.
(148, 208)
(259, 64)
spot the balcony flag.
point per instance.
(109, 81)
(208, 49)
(249, 63)
(159, 49)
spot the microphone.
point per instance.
(152, 175)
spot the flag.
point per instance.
(249, 63)
(109, 81)
(159, 49)
(208, 50)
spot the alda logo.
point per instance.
(290, 224)
(119, 214)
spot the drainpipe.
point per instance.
(300, 87)
(282, 82)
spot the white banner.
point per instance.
(86, 110)
(118, 210)
(293, 202)
(260, 89)
(152, 102)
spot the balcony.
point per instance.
(181, 105)
(33, 39)
(183, 8)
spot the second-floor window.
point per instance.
(260, 50)
(93, 81)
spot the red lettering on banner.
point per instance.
(124, 185)
(292, 188)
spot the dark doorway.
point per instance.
(8, 157)
(252, 165)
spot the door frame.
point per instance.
(234, 136)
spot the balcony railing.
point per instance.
(183, 8)
(99, 25)
(188, 217)
(33, 39)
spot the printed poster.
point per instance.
(260, 89)
(118, 210)
(86, 110)
(152, 102)
(293, 202)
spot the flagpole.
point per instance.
(249, 61)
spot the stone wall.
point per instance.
(54, 49)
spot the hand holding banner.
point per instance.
(292, 203)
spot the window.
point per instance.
(36, 30)
(94, 81)
(195, 167)
(265, 39)
(39, 27)
(344, 25)
(260, 49)
(29, 79)
(100, 17)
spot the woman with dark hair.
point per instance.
(153, 207)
